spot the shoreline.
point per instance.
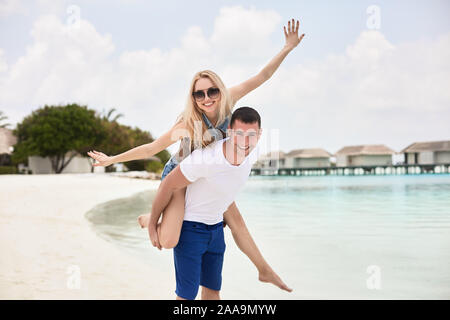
(49, 250)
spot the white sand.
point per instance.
(43, 233)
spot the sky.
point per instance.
(365, 73)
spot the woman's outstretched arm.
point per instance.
(292, 40)
(141, 152)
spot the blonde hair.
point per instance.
(192, 113)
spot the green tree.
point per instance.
(154, 166)
(137, 138)
(53, 131)
(117, 138)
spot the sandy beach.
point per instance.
(49, 250)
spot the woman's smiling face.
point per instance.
(210, 106)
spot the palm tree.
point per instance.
(106, 116)
(2, 118)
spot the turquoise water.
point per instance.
(327, 237)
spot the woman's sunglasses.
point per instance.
(212, 93)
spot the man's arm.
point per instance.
(173, 181)
(245, 243)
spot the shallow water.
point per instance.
(328, 237)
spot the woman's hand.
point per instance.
(103, 159)
(153, 235)
(292, 39)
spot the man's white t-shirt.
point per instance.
(216, 182)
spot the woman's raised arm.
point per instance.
(292, 40)
(143, 151)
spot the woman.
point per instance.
(209, 104)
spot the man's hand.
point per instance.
(153, 232)
(268, 275)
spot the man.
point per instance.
(213, 176)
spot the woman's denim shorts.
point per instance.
(170, 165)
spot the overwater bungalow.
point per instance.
(271, 160)
(430, 152)
(364, 155)
(307, 158)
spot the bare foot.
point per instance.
(143, 220)
(268, 275)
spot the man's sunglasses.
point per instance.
(212, 93)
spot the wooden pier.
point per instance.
(399, 169)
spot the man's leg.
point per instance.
(212, 263)
(187, 255)
(209, 294)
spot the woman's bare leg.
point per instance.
(169, 228)
(172, 220)
(143, 219)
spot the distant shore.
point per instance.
(49, 250)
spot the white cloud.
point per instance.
(11, 7)
(374, 92)
(241, 33)
(68, 64)
(3, 63)
(30, 7)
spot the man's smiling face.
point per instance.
(244, 137)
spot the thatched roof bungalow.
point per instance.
(364, 155)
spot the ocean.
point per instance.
(327, 237)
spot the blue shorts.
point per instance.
(198, 258)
